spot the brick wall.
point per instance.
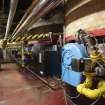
(84, 14)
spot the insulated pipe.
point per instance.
(92, 94)
(12, 11)
(41, 9)
(33, 11)
(48, 8)
(26, 14)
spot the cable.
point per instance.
(95, 41)
(75, 96)
(95, 101)
(65, 96)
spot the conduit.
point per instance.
(43, 7)
(12, 11)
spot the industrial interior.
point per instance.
(52, 52)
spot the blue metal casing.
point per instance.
(69, 51)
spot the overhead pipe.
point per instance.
(46, 10)
(12, 11)
(39, 11)
(34, 3)
(35, 10)
(57, 19)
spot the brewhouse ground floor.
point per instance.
(22, 88)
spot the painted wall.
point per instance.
(84, 14)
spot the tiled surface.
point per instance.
(18, 88)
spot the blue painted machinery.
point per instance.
(70, 51)
(76, 63)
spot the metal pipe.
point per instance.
(26, 14)
(56, 20)
(22, 53)
(92, 93)
(12, 11)
(41, 9)
(35, 10)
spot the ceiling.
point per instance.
(21, 8)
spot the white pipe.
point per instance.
(35, 10)
(26, 14)
(12, 11)
(36, 14)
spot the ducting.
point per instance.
(43, 7)
(12, 11)
(29, 10)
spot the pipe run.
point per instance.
(12, 11)
(34, 3)
(86, 90)
(43, 7)
(34, 10)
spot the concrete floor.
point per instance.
(18, 88)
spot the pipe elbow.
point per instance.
(79, 88)
(92, 94)
(86, 84)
